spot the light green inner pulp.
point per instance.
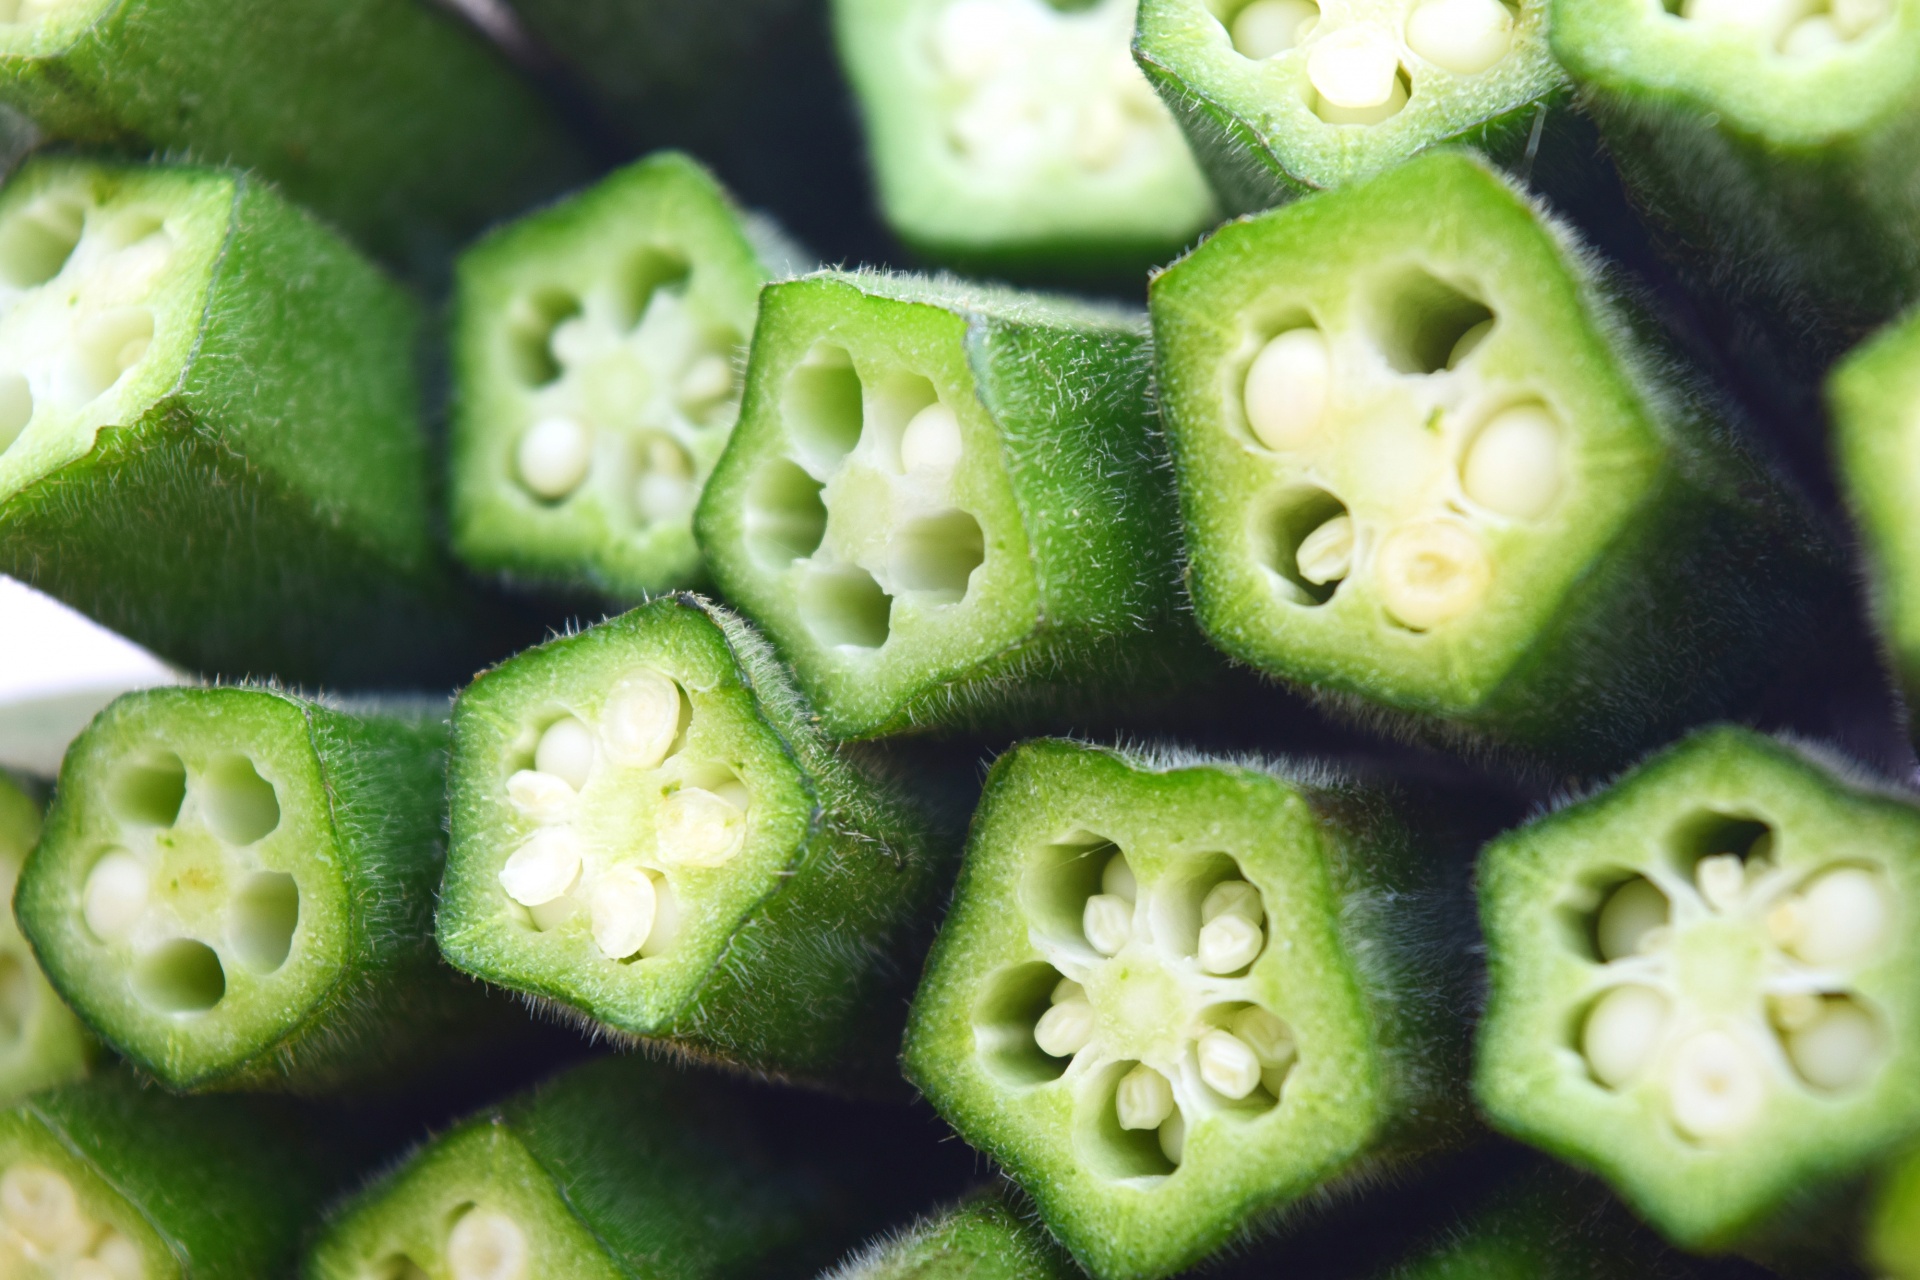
(39, 28)
(103, 278)
(60, 1220)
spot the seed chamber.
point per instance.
(1803, 32)
(46, 1231)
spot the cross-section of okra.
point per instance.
(1774, 140)
(392, 120)
(945, 504)
(209, 428)
(1430, 465)
(1018, 136)
(1283, 97)
(1702, 984)
(109, 1179)
(41, 1042)
(618, 1169)
(235, 888)
(647, 829)
(598, 346)
(1173, 999)
(982, 1238)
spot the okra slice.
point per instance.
(1702, 984)
(235, 888)
(41, 1042)
(395, 121)
(944, 504)
(1891, 1239)
(598, 351)
(647, 830)
(1284, 97)
(983, 1238)
(1173, 999)
(1430, 466)
(209, 427)
(1008, 136)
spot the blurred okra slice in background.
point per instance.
(1890, 1244)
(946, 505)
(1703, 986)
(1284, 97)
(647, 829)
(1431, 466)
(598, 348)
(390, 118)
(235, 888)
(985, 1237)
(1017, 138)
(209, 428)
(41, 1042)
(1172, 1000)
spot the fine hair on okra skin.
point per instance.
(235, 888)
(1702, 988)
(1176, 997)
(41, 1042)
(650, 835)
(987, 1236)
(1435, 470)
(598, 348)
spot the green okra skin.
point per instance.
(392, 120)
(1016, 139)
(108, 1178)
(1174, 999)
(985, 1237)
(946, 505)
(1702, 987)
(598, 346)
(1281, 98)
(235, 888)
(1891, 1240)
(1434, 471)
(41, 1042)
(209, 429)
(1774, 143)
(648, 831)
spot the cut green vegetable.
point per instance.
(598, 350)
(983, 1238)
(1009, 136)
(1703, 985)
(1284, 97)
(1892, 1239)
(390, 118)
(1430, 466)
(209, 428)
(1172, 1000)
(41, 1042)
(235, 888)
(648, 829)
(945, 505)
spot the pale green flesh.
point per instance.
(41, 1042)
(41, 27)
(60, 1218)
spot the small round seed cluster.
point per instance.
(45, 1231)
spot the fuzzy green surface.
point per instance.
(1892, 1239)
(1074, 597)
(360, 990)
(661, 213)
(1530, 1077)
(983, 1238)
(830, 850)
(1379, 1054)
(41, 1042)
(249, 496)
(393, 120)
(1252, 124)
(1572, 652)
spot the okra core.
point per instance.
(1794, 28)
(45, 1229)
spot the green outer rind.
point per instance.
(1702, 1199)
(1354, 894)
(387, 1001)
(1891, 1243)
(52, 1046)
(394, 120)
(1593, 670)
(1082, 513)
(864, 872)
(982, 1238)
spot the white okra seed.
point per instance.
(1811, 37)
(1622, 1032)
(1355, 68)
(541, 796)
(1267, 27)
(1430, 573)
(1839, 1047)
(119, 1258)
(641, 719)
(1462, 36)
(1227, 1064)
(1467, 343)
(1839, 918)
(1797, 1010)
(487, 1245)
(1854, 18)
(1067, 989)
(1630, 919)
(972, 38)
(1768, 18)
(115, 895)
(1270, 1039)
(621, 905)
(698, 828)
(1326, 554)
(1173, 1137)
(553, 457)
(1513, 465)
(1232, 898)
(1101, 133)
(1722, 880)
(1716, 1088)
(1117, 879)
(16, 407)
(1229, 944)
(1107, 922)
(1144, 1099)
(666, 920)
(931, 441)
(1287, 388)
(707, 379)
(40, 1205)
(543, 868)
(1065, 1028)
(565, 750)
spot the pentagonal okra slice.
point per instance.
(1425, 462)
(943, 501)
(41, 1042)
(599, 344)
(1282, 97)
(1702, 983)
(639, 807)
(235, 887)
(1149, 1001)
(985, 1236)
(1012, 136)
